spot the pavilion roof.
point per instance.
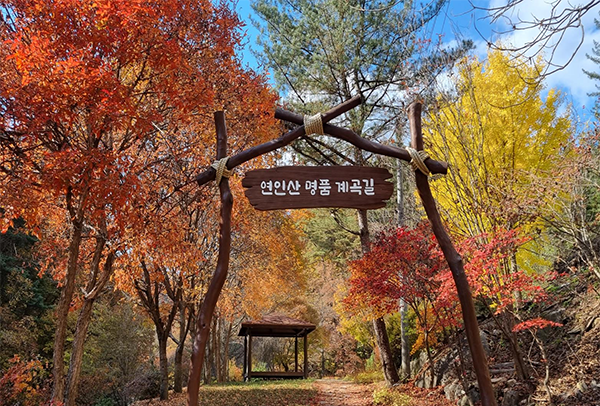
(277, 325)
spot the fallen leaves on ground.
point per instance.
(259, 393)
(334, 392)
(322, 392)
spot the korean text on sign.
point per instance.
(322, 187)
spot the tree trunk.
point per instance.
(209, 359)
(515, 350)
(178, 367)
(96, 283)
(405, 367)
(404, 345)
(383, 342)
(164, 365)
(218, 358)
(62, 311)
(226, 352)
(149, 293)
(83, 322)
(430, 359)
(520, 367)
(363, 229)
(381, 337)
(178, 370)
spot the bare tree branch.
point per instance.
(549, 31)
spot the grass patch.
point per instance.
(258, 393)
(366, 377)
(389, 397)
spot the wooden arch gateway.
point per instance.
(426, 165)
(276, 326)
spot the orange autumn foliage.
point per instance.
(105, 117)
(22, 383)
(267, 257)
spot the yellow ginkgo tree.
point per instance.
(501, 133)
(504, 137)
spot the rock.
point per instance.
(511, 382)
(448, 378)
(591, 323)
(563, 396)
(556, 315)
(420, 382)
(495, 371)
(474, 395)
(511, 398)
(509, 364)
(423, 380)
(417, 363)
(464, 401)
(452, 391)
(485, 342)
(470, 398)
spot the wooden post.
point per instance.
(305, 355)
(296, 354)
(455, 263)
(244, 371)
(249, 355)
(207, 309)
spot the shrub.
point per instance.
(389, 397)
(235, 372)
(24, 383)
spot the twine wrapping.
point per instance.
(313, 124)
(417, 160)
(221, 167)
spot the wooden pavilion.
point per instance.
(276, 326)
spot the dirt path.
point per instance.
(334, 392)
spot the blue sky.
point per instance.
(460, 20)
(244, 10)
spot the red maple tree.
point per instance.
(404, 264)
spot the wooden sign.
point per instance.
(302, 187)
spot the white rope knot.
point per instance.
(418, 160)
(313, 124)
(221, 167)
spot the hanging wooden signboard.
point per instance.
(303, 187)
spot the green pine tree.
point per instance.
(26, 298)
(595, 57)
(323, 52)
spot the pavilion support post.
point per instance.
(455, 263)
(305, 370)
(207, 308)
(245, 370)
(249, 374)
(296, 354)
